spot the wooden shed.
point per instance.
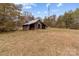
(34, 24)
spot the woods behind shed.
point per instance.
(34, 24)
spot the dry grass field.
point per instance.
(48, 42)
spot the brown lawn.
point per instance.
(46, 42)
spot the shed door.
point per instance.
(39, 25)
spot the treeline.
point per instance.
(9, 16)
(68, 20)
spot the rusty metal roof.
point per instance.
(31, 22)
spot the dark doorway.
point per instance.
(32, 26)
(39, 26)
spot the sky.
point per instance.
(41, 9)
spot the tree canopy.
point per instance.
(9, 14)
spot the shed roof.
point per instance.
(31, 22)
